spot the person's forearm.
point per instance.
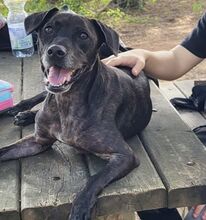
(166, 65)
(169, 65)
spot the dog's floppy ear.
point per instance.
(36, 20)
(107, 36)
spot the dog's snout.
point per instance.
(57, 51)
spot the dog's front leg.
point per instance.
(26, 104)
(119, 165)
(27, 146)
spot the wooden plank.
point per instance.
(9, 171)
(141, 189)
(49, 183)
(33, 77)
(124, 216)
(177, 154)
(49, 180)
(192, 118)
(185, 87)
(9, 190)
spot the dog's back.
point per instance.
(132, 96)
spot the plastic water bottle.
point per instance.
(22, 45)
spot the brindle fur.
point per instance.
(103, 106)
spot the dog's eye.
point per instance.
(48, 29)
(83, 36)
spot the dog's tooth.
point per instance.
(56, 85)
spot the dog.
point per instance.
(89, 105)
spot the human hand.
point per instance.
(135, 59)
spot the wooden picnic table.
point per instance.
(172, 171)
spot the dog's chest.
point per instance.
(70, 130)
(70, 121)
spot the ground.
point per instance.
(163, 25)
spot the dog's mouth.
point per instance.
(59, 79)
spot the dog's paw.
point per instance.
(24, 118)
(20, 107)
(12, 111)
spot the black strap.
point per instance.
(183, 103)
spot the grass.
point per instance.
(198, 6)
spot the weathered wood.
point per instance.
(177, 154)
(141, 189)
(49, 180)
(125, 216)
(9, 190)
(185, 87)
(33, 77)
(9, 171)
(192, 118)
(49, 183)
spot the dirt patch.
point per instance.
(162, 26)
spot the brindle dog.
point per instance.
(89, 105)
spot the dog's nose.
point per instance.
(57, 51)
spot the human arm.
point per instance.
(165, 65)
(170, 64)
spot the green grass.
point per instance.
(113, 16)
(197, 6)
(89, 8)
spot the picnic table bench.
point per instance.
(172, 172)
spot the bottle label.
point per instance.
(19, 39)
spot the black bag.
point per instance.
(201, 133)
(5, 44)
(197, 101)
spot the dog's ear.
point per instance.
(36, 20)
(107, 36)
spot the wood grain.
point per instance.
(9, 171)
(177, 154)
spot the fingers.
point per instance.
(197, 211)
(138, 67)
(135, 63)
(112, 61)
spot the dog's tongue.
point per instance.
(58, 76)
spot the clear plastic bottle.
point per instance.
(22, 45)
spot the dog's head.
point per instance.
(68, 45)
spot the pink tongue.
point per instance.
(58, 76)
